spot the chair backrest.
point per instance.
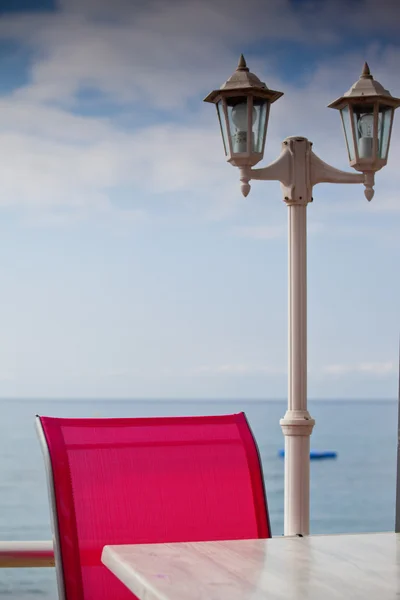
(146, 480)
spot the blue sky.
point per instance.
(130, 264)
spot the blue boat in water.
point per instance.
(315, 454)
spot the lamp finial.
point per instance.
(242, 66)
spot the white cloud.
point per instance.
(152, 56)
(75, 162)
(237, 370)
(261, 232)
(374, 368)
(272, 232)
(121, 221)
(159, 53)
(387, 204)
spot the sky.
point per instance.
(130, 264)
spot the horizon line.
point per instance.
(189, 399)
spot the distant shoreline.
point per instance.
(190, 400)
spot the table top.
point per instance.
(331, 567)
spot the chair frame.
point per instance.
(53, 506)
(261, 473)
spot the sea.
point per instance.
(353, 493)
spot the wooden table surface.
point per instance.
(365, 567)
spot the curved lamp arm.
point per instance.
(321, 172)
(299, 169)
(278, 170)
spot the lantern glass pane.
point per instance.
(260, 112)
(222, 124)
(348, 133)
(238, 123)
(364, 129)
(384, 124)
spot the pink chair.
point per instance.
(147, 480)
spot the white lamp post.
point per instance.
(367, 111)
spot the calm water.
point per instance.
(354, 493)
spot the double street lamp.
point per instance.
(367, 111)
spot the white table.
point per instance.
(365, 567)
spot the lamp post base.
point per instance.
(297, 426)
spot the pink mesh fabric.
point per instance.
(151, 480)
